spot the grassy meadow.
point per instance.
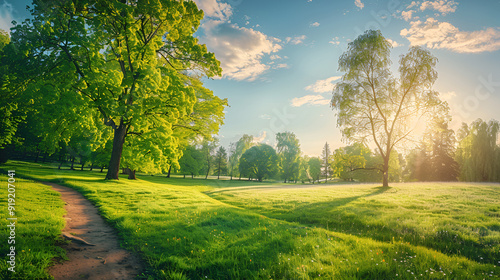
(39, 211)
(211, 229)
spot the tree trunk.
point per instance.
(184, 176)
(116, 154)
(102, 168)
(385, 173)
(131, 174)
(91, 166)
(37, 155)
(170, 169)
(72, 162)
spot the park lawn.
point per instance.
(197, 229)
(39, 212)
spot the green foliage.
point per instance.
(478, 153)
(288, 149)
(348, 161)
(192, 161)
(433, 159)
(125, 65)
(373, 105)
(236, 150)
(260, 161)
(208, 150)
(10, 116)
(314, 167)
(221, 162)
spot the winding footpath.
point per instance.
(94, 251)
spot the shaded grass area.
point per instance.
(453, 218)
(184, 233)
(39, 212)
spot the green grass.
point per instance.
(198, 229)
(39, 212)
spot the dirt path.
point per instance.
(106, 259)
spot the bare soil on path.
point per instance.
(102, 257)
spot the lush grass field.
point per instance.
(198, 229)
(39, 212)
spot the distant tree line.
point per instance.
(439, 155)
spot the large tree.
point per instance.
(221, 161)
(130, 62)
(288, 149)
(236, 150)
(192, 161)
(260, 161)
(372, 104)
(478, 153)
(314, 168)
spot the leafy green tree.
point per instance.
(314, 167)
(260, 161)
(208, 149)
(477, 152)
(236, 150)
(10, 116)
(372, 104)
(129, 62)
(419, 167)
(288, 149)
(325, 159)
(304, 175)
(221, 162)
(191, 161)
(347, 160)
(444, 166)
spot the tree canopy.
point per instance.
(288, 149)
(130, 65)
(260, 161)
(372, 104)
(478, 153)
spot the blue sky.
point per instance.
(279, 58)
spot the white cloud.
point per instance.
(394, 43)
(214, 9)
(260, 138)
(6, 17)
(322, 86)
(295, 40)
(335, 41)
(281, 65)
(413, 4)
(315, 24)
(239, 49)
(407, 15)
(309, 99)
(443, 35)
(442, 6)
(274, 57)
(265, 117)
(359, 4)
